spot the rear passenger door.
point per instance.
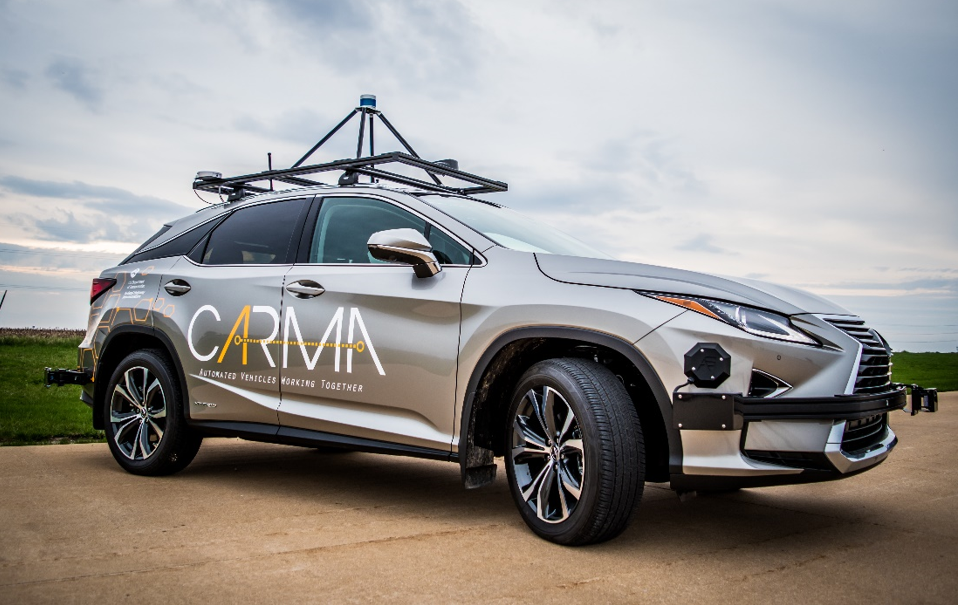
(226, 298)
(369, 349)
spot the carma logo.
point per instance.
(239, 336)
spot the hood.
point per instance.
(650, 278)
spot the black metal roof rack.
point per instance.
(240, 186)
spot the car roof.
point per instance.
(407, 196)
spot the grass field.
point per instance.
(938, 370)
(31, 413)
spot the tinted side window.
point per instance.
(259, 235)
(345, 224)
(181, 244)
(162, 230)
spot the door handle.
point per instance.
(177, 287)
(305, 289)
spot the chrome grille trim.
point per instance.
(873, 369)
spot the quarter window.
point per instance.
(345, 224)
(258, 235)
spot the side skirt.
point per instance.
(285, 435)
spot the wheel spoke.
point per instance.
(536, 483)
(568, 483)
(157, 430)
(122, 392)
(549, 413)
(569, 419)
(136, 397)
(573, 444)
(154, 387)
(120, 417)
(145, 389)
(123, 443)
(545, 489)
(536, 404)
(525, 432)
(143, 441)
(525, 450)
(123, 429)
(563, 505)
(156, 390)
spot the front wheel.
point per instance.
(146, 428)
(574, 454)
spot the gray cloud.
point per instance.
(702, 243)
(71, 226)
(302, 125)
(635, 173)
(72, 76)
(578, 195)
(98, 213)
(408, 41)
(648, 155)
(106, 199)
(328, 16)
(14, 78)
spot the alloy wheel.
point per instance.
(547, 454)
(138, 413)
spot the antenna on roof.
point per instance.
(240, 186)
(269, 164)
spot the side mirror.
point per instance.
(406, 246)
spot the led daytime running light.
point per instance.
(754, 321)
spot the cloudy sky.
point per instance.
(810, 143)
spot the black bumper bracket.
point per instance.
(923, 400)
(61, 377)
(705, 412)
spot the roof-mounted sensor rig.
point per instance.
(237, 187)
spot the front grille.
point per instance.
(864, 433)
(874, 367)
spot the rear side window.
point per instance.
(131, 258)
(177, 246)
(259, 235)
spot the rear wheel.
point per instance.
(145, 427)
(574, 453)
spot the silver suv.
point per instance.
(422, 321)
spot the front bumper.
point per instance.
(730, 440)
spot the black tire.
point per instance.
(144, 417)
(600, 450)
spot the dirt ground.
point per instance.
(248, 522)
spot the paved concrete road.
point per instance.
(251, 522)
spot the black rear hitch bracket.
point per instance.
(62, 376)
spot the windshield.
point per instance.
(510, 229)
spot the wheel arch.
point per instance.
(119, 343)
(503, 362)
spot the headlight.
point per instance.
(754, 321)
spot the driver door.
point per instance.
(369, 349)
